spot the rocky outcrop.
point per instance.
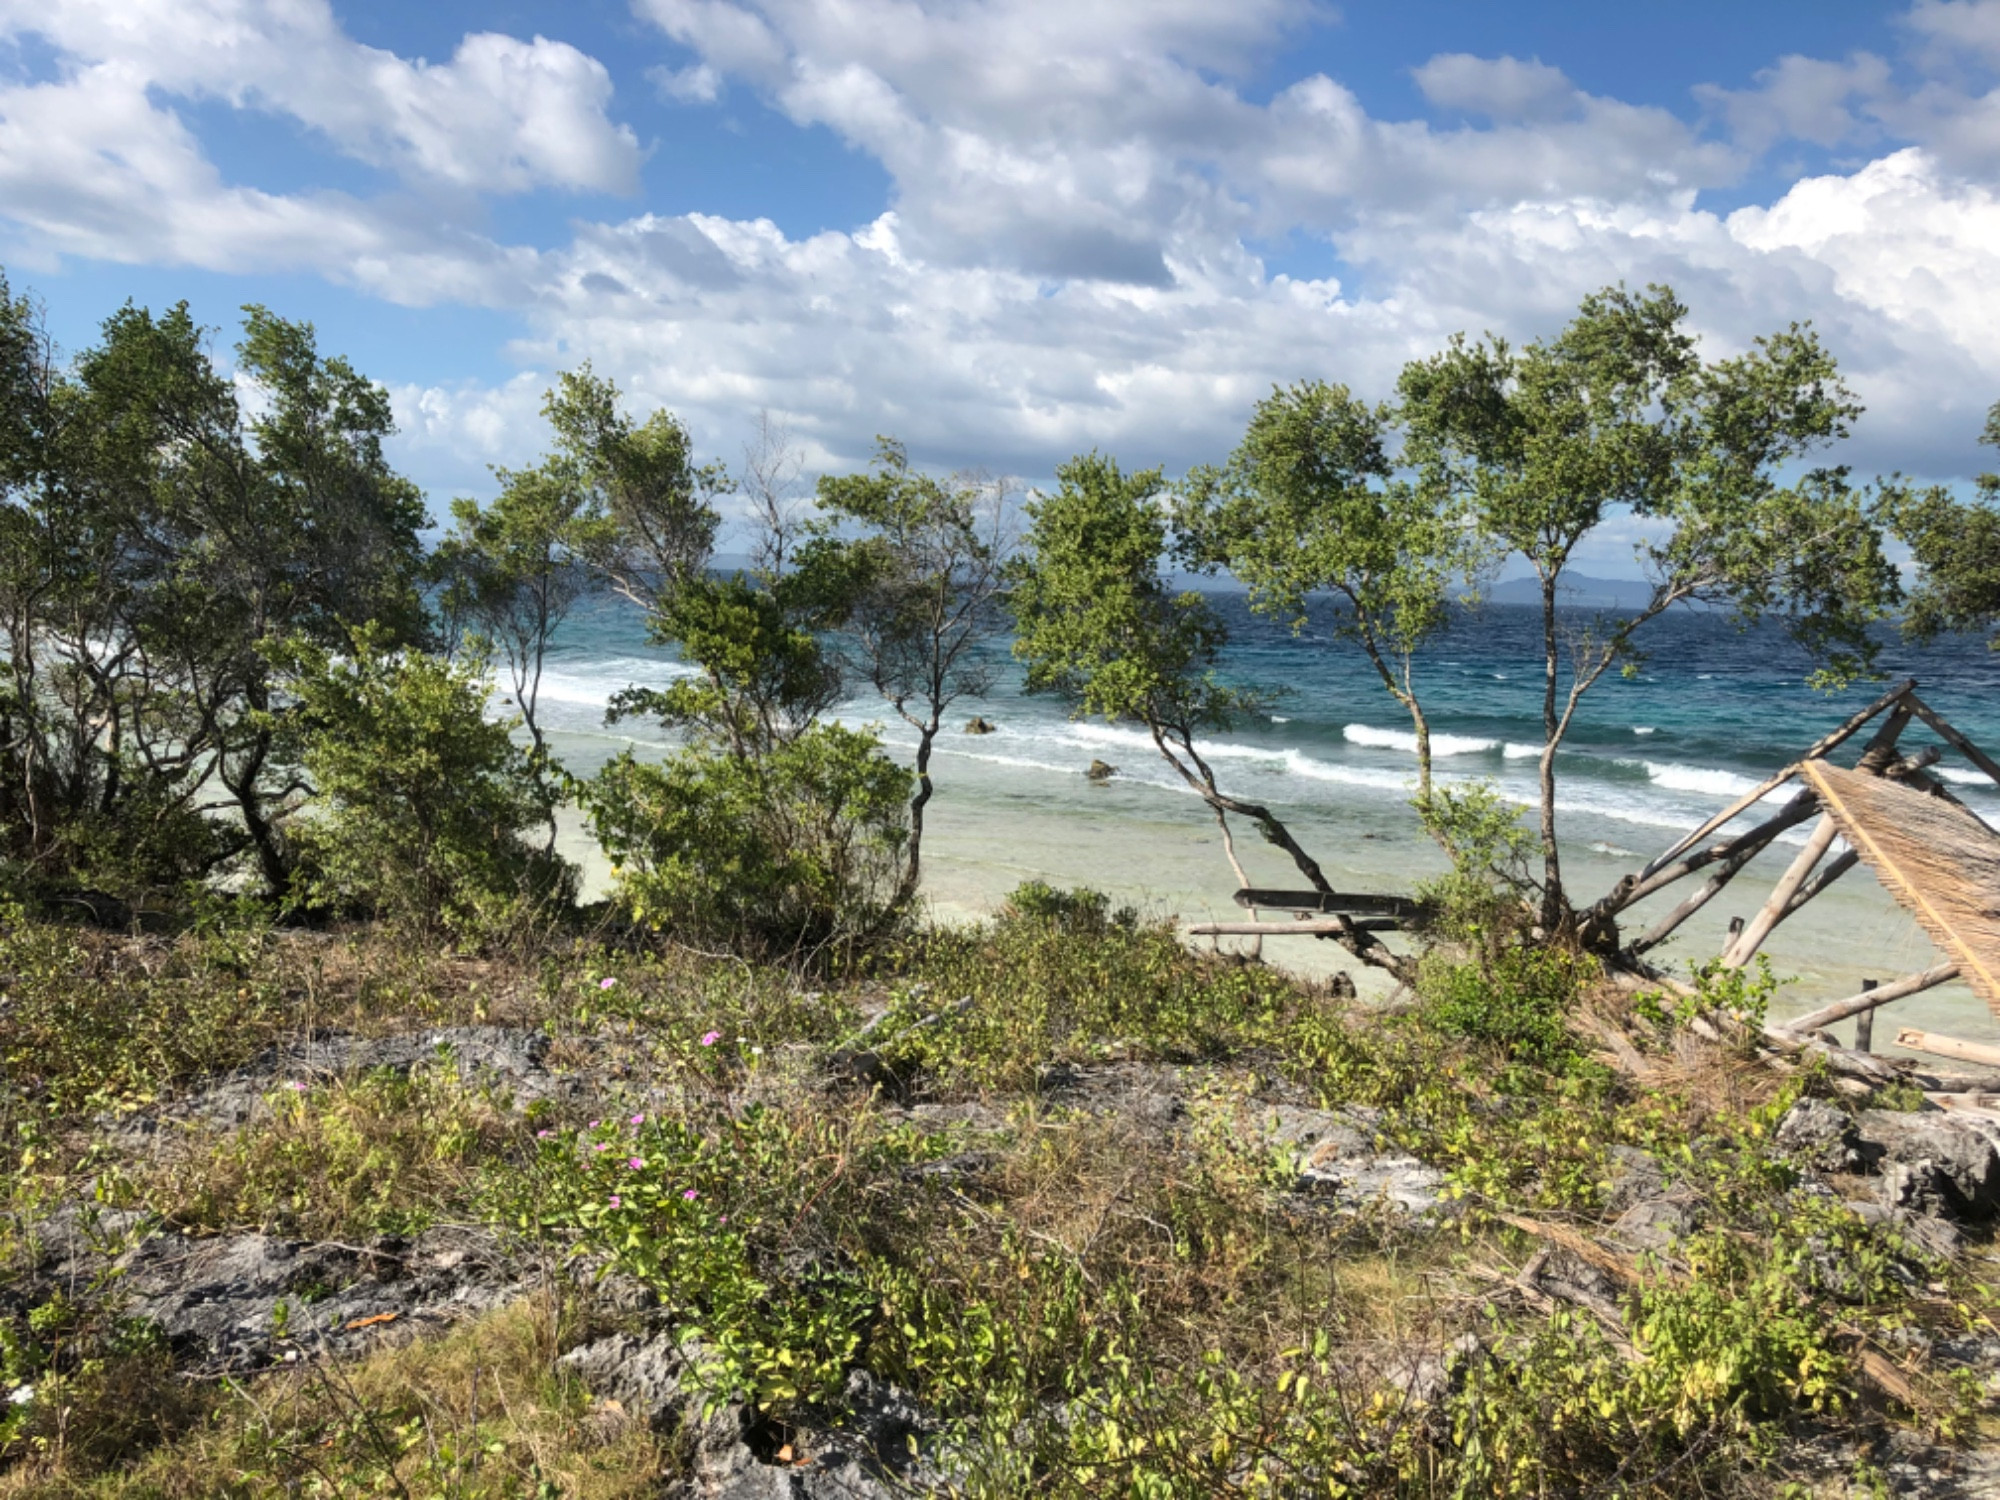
(1930, 1163)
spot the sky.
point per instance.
(1006, 231)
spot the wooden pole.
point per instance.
(1871, 996)
(1864, 1024)
(1948, 1046)
(1838, 866)
(1773, 911)
(1737, 851)
(1757, 794)
(1956, 740)
(1735, 854)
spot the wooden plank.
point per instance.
(1948, 1046)
(1953, 738)
(1294, 929)
(1867, 1000)
(1757, 794)
(1352, 904)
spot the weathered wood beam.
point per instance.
(1757, 794)
(1867, 1000)
(1738, 852)
(1838, 866)
(1333, 928)
(1775, 909)
(1347, 903)
(1953, 738)
(1948, 1046)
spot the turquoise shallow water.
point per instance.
(1710, 712)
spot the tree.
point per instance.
(923, 577)
(422, 798)
(1618, 411)
(1309, 503)
(1098, 624)
(514, 572)
(1956, 546)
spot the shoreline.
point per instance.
(991, 826)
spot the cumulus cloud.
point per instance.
(1069, 257)
(1501, 88)
(503, 115)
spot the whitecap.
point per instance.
(1406, 740)
(1644, 729)
(1521, 752)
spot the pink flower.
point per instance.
(604, 1145)
(607, 984)
(295, 1086)
(690, 1195)
(591, 1126)
(616, 1201)
(638, 1119)
(710, 1038)
(543, 1135)
(723, 1220)
(635, 1162)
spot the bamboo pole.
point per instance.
(1757, 794)
(1868, 999)
(1837, 867)
(1747, 843)
(1735, 854)
(1948, 1046)
(1956, 740)
(1774, 910)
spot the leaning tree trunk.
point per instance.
(1553, 905)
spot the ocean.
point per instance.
(1710, 711)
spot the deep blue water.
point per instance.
(1712, 709)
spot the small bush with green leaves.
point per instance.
(424, 803)
(1517, 1001)
(793, 854)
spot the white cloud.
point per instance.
(1068, 259)
(502, 116)
(1501, 88)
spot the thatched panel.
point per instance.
(1940, 861)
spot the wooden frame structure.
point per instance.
(1935, 856)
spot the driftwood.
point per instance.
(1333, 929)
(1868, 999)
(1346, 903)
(1948, 1046)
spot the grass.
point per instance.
(1089, 1301)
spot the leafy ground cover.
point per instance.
(1116, 1218)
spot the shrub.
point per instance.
(422, 799)
(1081, 910)
(1518, 1000)
(795, 853)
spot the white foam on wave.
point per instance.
(1406, 741)
(1644, 729)
(1521, 752)
(1703, 779)
(592, 686)
(1959, 777)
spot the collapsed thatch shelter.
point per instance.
(1935, 856)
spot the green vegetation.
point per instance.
(1121, 1219)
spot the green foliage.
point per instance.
(792, 853)
(383, 1153)
(1094, 618)
(423, 800)
(1742, 993)
(1618, 411)
(1483, 901)
(1517, 1000)
(1307, 504)
(1054, 981)
(87, 1026)
(1081, 910)
(1956, 545)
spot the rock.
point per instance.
(977, 725)
(1636, 1177)
(1653, 1224)
(235, 1303)
(1818, 1135)
(1338, 1160)
(1101, 771)
(1937, 1164)
(1341, 986)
